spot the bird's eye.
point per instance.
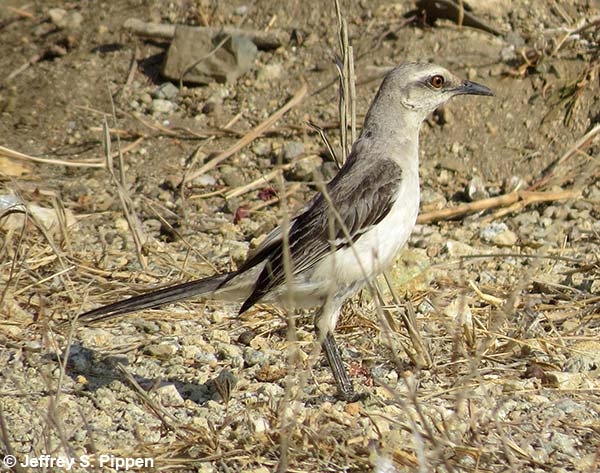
(437, 81)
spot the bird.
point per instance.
(351, 230)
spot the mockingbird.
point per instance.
(350, 232)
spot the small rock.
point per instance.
(171, 181)
(95, 337)
(232, 176)
(163, 349)
(246, 337)
(562, 443)
(498, 234)
(262, 149)
(269, 73)
(146, 326)
(425, 307)
(33, 345)
(352, 408)
(161, 106)
(146, 98)
(527, 218)
(260, 424)
(585, 357)
(476, 189)
(166, 91)
(432, 198)
(204, 180)
(253, 357)
(121, 225)
(204, 358)
(63, 19)
(221, 336)
(457, 248)
(169, 396)
(210, 107)
(304, 168)
(292, 150)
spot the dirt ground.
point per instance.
(501, 371)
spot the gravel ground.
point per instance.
(482, 351)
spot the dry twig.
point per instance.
(516, 200)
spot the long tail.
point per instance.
(187, 290)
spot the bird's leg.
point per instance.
(334, 358)
(325, 321)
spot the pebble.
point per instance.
(146, 326)
(166, 90)
(262, 148)
(425, 307)
(163, 349)
(146, 98)
(95, 337)
(476, 189)
(253, 357)
(304, 168)
(527, 218)
(498, 234)
(246, 337)
(161, 106)
(269, 73)
(204, 358)
(221, 336)
(170, 396)
(232, 176)
(291, 150)
(210, 107)
(352, 408)
(433, 198)
(121, 225)
(63, 19)
(260, 424)
(457, 248)
(204, 180)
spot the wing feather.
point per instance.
(362, 196)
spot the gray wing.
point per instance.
(362, 194)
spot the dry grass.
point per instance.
(481, 387)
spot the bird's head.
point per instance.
(420, 88)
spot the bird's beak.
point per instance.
(472, 88)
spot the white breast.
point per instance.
(376, 249)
